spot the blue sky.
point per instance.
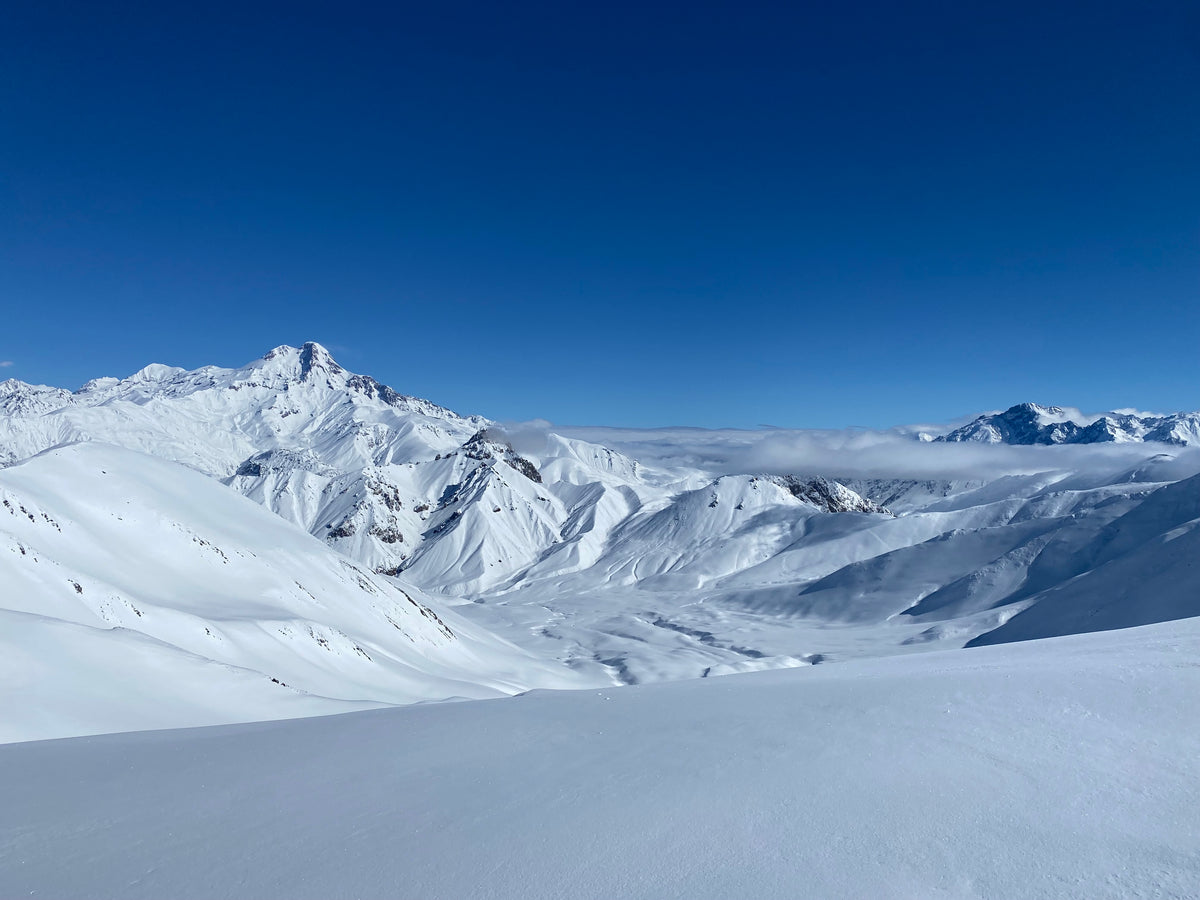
(629, 214)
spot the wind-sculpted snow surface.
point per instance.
(1067, 768)
(620, 555)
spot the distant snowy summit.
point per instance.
(1028, 423)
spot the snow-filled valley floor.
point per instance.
(1067, 767)
(956, 662)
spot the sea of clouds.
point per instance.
(855, 453)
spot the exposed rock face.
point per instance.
(830, 496)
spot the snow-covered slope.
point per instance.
(1066, 768)
(690, 588)
(138, 593)
(1141, 567)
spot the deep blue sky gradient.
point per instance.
(628, 214)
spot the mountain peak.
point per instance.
(1028, 407)
(314, 357)
(306, 359)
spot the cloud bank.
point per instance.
(857, 453)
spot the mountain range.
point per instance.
(415, 553)
(1028, 423)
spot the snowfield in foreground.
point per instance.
(1067, 767)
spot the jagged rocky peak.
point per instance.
(831, 496)
(315, 358)
(486, 443)
(491, 443)
(305, 363)
(1035, 412)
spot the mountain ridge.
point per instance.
(1029, 424)
(623, 567)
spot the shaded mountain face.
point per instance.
(1028, 423)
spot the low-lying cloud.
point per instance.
(854, 453)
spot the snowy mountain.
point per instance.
(397, 483)
(606, 561)
(1028, 423)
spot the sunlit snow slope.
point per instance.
(1066, 768)
(138, 593)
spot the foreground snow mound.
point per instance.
(139, 593)
(1061, 768)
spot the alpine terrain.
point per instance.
(289, 539)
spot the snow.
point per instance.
(1066, 768)
(607, 555)
(301, 548)
(141, 594)
(62, 678)
(1140, 568)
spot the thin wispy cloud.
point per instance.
(6, 363)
